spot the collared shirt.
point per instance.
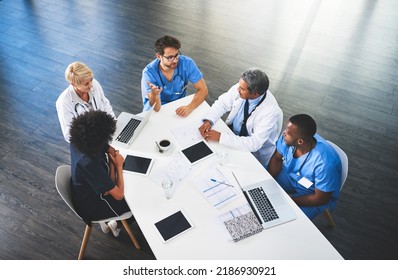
(238, 120)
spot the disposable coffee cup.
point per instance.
(164, 145)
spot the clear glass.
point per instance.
(167, 185)
(222, 158)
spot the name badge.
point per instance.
(305, 182)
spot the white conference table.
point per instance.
(298, 239)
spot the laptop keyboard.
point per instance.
(128, 131)
(263, 204)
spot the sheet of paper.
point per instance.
(176, 169)
(188, 134)
(215, 187)
(244, 209)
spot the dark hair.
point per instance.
(305, 124)
(166, 42)
(92, 130)
(257, 81)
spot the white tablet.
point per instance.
(197, 152)
(172, 226)
(137, 164)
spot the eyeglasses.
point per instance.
(172, 57)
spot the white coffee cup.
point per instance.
(164, 145)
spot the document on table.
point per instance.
(176, 169)
(215, 187)
(188, 134)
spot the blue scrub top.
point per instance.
(321, 166)
(186, 71)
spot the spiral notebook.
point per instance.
(241, 223)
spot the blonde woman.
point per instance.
(83, 94)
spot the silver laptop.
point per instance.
(128, 127)
(268, 203)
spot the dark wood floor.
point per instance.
(336, 60)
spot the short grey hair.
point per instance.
(257, 81)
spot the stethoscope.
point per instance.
(82, 108)
(298, 173)
(172, 83)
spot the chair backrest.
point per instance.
(344, 163)
(62, 184)
(280, 122)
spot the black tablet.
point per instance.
(137, 164)
(197, 152)
(172, 226)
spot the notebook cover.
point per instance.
(243, 226)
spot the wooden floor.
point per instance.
(335, 60)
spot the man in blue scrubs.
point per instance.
(306, 166)
(166, 78)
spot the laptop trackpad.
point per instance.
(277, 199)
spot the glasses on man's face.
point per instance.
(172, 57)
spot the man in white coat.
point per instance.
(253, 117)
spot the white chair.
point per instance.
(280, 122)
(62, 183)
(344, 173)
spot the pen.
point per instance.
(214, 180)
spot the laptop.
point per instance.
(128, 127)
(268, 203)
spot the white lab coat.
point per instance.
(69, 105)
(261, 125)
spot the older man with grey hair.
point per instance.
(253, 117)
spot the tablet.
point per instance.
(197, 152)
(173, 226)
(137, 164)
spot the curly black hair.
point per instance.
(91, 131)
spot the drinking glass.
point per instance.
(167, 185)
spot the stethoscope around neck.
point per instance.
(172, 82)
(298, 173)
(84, 107)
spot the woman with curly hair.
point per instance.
(97, 170)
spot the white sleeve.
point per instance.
(65, 113)
(261, 130)
(222, 105)
(103, 102)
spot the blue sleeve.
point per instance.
(192, 70)
(327, 175)
(280, 145)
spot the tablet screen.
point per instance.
(173, 225)
(137, 164)
(197, 152)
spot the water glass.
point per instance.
(167, 185)
(222, 158)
